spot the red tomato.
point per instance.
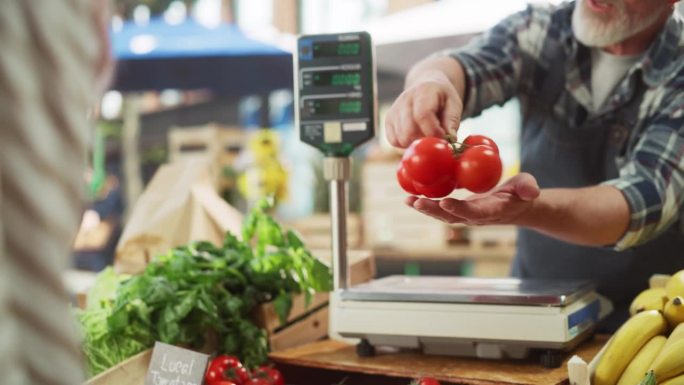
(405, 181)
(269, 373)
(225, 368)
(481, 140)
(225, 361)
(239, 375)
(437, 190)
(213, 376)
(258, 381)
(478, 169)
(427, 381)
(429, 160)
(223, 383)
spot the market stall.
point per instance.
(248, 301)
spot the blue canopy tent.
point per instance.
(189, 55)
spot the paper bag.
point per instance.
(178, 206)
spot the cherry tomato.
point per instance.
(481, 140)
(478, 169)
(223, 383)
(270, 373)
(437, 190)
(427, 381)
(405, 181)
(429, 160)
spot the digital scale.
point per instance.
(336, 111)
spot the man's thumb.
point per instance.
(525, 186)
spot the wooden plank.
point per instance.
(129, 372)
(266, 317)
(339, 356)
(311, 328)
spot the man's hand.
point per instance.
(591, 216)
(431, 104)
(504, 205)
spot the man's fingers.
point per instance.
(451, 114)
(432, 208)
(408, 131)
(390, 129)
(476, 210)
(410, 200)
(425, 109)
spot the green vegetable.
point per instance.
(201, 295)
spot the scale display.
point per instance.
(335, 91)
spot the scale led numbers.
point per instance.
(336, 108)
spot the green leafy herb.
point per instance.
(201, 295)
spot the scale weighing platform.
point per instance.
(336, 111)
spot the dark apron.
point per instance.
(562, 153)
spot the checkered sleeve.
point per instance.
(495, 62)
(652, 180)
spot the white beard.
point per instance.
(597, 31)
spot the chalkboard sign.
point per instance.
(171, 365)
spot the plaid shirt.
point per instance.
(507, 61)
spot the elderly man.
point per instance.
(601, 87)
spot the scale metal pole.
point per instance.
(337, 170)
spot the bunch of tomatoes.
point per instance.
(434, 167)
(228, 370)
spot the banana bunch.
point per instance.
(648, 349)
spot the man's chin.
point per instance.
(591, 32)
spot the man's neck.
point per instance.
(640, 42)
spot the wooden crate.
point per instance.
(221, 145)
(185, 142)
(310, 323)
(129, 372)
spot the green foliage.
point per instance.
(201, 291)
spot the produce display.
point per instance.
(648, 349)
(434, 167)
(201, 296)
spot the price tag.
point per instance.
(171, 365)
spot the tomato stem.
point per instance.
(452, 143)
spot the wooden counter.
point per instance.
(331, 362)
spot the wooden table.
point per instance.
(331, 362)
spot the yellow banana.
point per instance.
(670, 361)
(639, 365)
(675, 285)
(679, 380)
(649, 299)
(626, 343)
(674, 311)
(676, 335)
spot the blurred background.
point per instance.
(211, 80)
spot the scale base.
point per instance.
(548, 358)
(500, 330)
